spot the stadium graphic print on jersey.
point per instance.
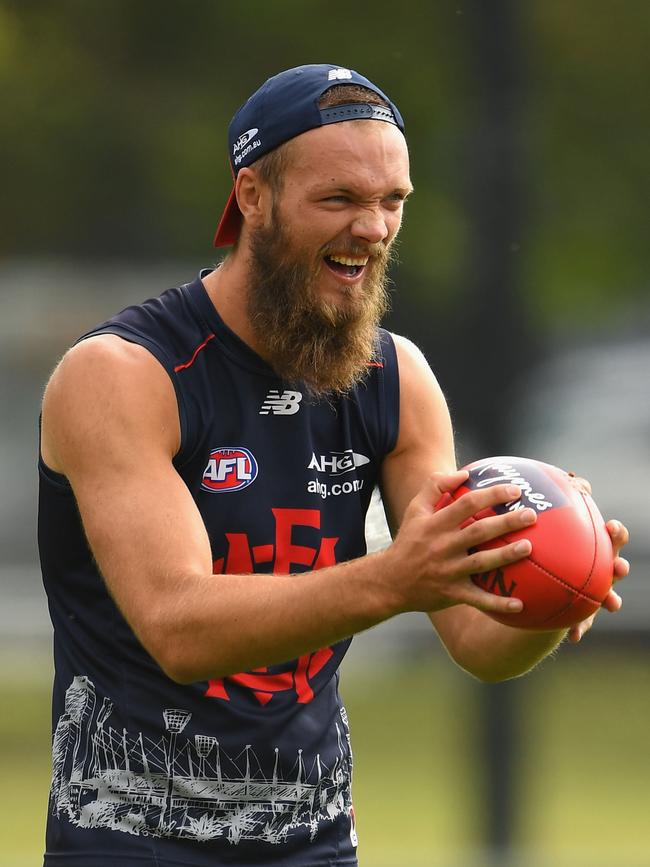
(174, 786)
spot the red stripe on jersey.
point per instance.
(196, 352)
(374, 364)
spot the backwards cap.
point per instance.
(285, 106)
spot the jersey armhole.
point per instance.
(55, 480)
(389, 392)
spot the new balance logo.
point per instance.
(339, 74)
(287, 403)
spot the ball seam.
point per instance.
(578, 592)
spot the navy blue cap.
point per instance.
(284, 107)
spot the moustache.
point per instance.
(356, 251)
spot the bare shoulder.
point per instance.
(423, 408)
(105, 356)
(409, 356)
(425, 442)
(102, 386)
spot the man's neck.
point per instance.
(227, 288)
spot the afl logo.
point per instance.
(229, 469)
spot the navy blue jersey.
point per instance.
(253, 768)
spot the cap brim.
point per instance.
(229, 224)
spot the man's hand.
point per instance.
(612, 602)
(433, 557)
(620, 537)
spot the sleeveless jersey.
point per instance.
(253, 768)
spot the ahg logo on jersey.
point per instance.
(229, 469)
(287, 403)
(337, 463)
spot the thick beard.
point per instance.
(308, 341)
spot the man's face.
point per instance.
(318, 263)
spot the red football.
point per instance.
(570, 568)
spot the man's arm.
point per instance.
(477, 643)
(110, 424)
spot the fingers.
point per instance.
(619, 535)
(470, 534)
(490, 603)
(476, 533)
(450, 481)
(469, 523)
(461, 589)
(612, 602)
(475, 502)
(621, 568)
(438, 489)
(490, 559)
(576, 632)
(452, 538)
(581, 484)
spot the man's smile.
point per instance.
(346, 267)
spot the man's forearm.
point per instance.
(224, 624)
(487, 649)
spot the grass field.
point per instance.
(583, 793)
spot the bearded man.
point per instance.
(207, 461)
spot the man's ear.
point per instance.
(253, 197)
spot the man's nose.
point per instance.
(371, 226)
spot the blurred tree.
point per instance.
(588, 140)
(115, 116)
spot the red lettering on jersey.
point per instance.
(303, 689)
(326, 555)
(264, 684)
(286, 553)
(239, 560)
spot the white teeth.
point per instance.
(346, 260)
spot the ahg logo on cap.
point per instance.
(244, 145)
(243, 139)
(285, 106)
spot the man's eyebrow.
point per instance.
(349, 190)
(405, 192)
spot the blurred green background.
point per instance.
(523, 274)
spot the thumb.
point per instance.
(438, 488)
